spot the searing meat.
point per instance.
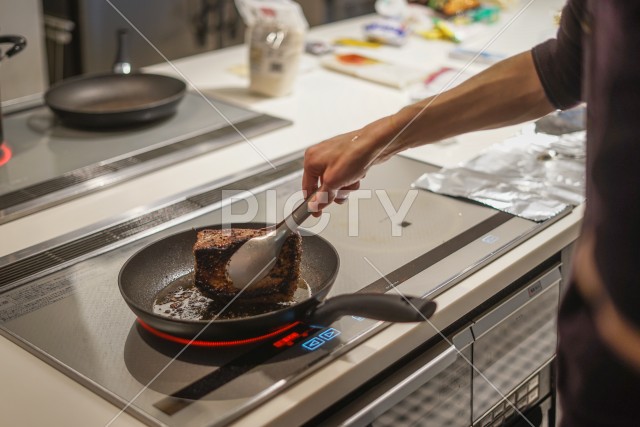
(212, 252)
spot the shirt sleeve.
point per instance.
(558, 61)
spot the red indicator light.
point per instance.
(5, 154)
(290, 339)
(201, 343)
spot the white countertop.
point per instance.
(323, 104)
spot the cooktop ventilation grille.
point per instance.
(82, 248)
(208, 141)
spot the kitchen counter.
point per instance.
(323, 104)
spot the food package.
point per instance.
(386, 31)
(275, 34)
(394, 9)
(453, 7)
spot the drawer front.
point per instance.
(442, 401)
(508, 353)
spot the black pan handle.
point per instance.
(390, 308)
(18, 42)
(122, 64)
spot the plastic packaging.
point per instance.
(275, 34)
(386, 31)
(396, 9)
(477, 56)
(453, 7)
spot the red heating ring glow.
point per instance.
(200, 343)
(5, 154)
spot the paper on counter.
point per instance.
(367, 68)
(438, 81)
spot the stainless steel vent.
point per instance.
(82, 247)
(78, 182)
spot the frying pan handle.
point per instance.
(18, 42)
(122, 64)
(390, 308)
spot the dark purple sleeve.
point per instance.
(559, 61)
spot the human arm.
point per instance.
(479, 103)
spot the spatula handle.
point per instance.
(294, 220)
(302, 212)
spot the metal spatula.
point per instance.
(257, 256)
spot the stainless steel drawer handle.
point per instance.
(403, 389)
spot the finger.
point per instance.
(309, 183)
(351, 187)
(321, 199)
(313, 170)
(343, 194)
(341, 197)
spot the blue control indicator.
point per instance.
(490, 239)
(329, 334)
(315, 342)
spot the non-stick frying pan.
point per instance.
(159, 264)
(114, 100)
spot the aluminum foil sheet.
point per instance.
(532, 175)
(561, 122)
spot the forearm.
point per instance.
(507, 93)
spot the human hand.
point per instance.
(334, 168)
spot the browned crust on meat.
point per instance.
(212, 251)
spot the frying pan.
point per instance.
(159, 264)
(113, 100)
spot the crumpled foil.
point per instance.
(534, 176)
(561, 122)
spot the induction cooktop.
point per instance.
(44, 163)
(61, 302)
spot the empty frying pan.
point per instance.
(168, 263)
(118, 99)
(114, 100)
